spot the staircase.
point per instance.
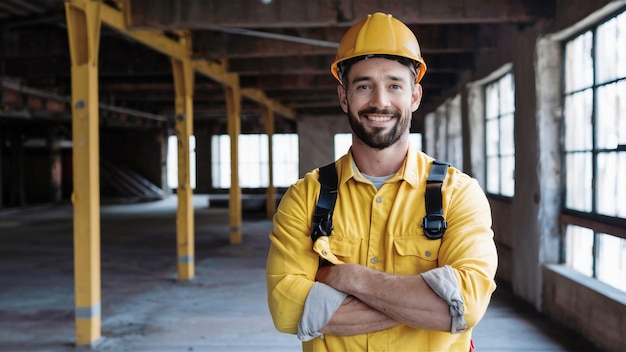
(119, 182)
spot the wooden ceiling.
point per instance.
(281, 47)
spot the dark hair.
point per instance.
(344, 66)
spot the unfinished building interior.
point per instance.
(216, 107)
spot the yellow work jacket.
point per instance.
(381, 229)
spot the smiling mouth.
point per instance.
(378, 118)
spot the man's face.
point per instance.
(379, 98)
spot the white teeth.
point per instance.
(379, 118)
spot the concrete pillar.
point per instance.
(548, 73)
(318, 132)
(537, 164)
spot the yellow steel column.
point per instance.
(83, 28)
(233, 104)
(184, 86)
(268, 120)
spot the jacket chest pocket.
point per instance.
(345, 248)
(414, 254)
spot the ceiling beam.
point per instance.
(211, 14)
(165, 44)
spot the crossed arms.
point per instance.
(380, 300)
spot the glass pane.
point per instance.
(492, 101)
(492, 135)
(578, 63)
(578, 126)
(621, 185)
(507, 143)
(172, 162)
(578, 181)
(416, 140)
(606, 55)
(493, 179)
(621, 48)
(224, 168)
(343, 141)
(611, 262)
(606, 201)
(607, 127)
(253, 161)
(285, 154)
(579, 249)
(508, 176)
(507, 98)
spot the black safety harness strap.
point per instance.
(434, 223)
(323, 216)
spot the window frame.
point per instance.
(263, 162)
(599, 224)
(496, 81)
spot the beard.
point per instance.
(376, 137)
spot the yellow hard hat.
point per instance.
(379, 34)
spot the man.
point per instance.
(377, 283)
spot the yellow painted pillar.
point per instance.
(83, 28)
(184, 86)
(233, 105)
(268, 120)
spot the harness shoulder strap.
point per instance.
(322, 218)
(434, 223)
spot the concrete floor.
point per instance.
(144, 308)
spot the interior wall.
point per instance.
(316, 140)
(527, 227)
(139, 149)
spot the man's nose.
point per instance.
(380, 98)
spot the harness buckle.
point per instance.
(434, 226)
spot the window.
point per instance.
(594, 147)
(499, 135)
(172, 162)
(343, 141)
(254, 160)
(446, 128)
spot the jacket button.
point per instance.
(379, 199)
(428, 253)
(374, 260)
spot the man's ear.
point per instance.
(341, 92)
(416, 99)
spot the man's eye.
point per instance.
(362, 87)
(395, 86)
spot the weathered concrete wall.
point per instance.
(526, 274)
(594, 309)
(527, 228)
(316, 140)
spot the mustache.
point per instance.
(370, 111)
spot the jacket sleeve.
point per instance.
(291, 263)
(468, 245)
